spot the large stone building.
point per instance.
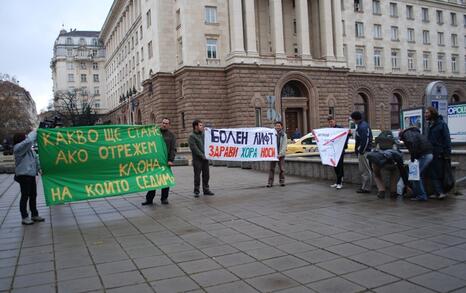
(218, 60)
(78, 68)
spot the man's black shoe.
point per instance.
(362, 191)
(196, 193)
(147, 203)
(164, 201)
(208, 192)
(381, 194)
(282, 184)
(394, 195)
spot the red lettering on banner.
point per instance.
(211, 150)
(267, 152)
(223, 151)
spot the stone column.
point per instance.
(326, 34)
(236, 27)
(302, 18)
(251, 27)
(276, 12)
(338, 29)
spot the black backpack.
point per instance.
(385, 140)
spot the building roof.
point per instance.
(75, 33)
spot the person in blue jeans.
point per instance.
(420, 149)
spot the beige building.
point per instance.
(218, 60)
(77, 68)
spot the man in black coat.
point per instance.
(170, 141)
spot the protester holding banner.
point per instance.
(281, 147)
(200, 162)
(26, 170)
(339, 169)
(439, 136)
(170, 142)
(363, 145)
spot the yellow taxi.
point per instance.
(307, 144)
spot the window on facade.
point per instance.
(425, 37)
(258, 117)
(142, 54)
(360, 57)
(95, 42)
(149, 50)
(440, 39)
(96, 77)
(70, 65)
(411, 60)
(210, 14)
(455, 98)
(95, 66)
(378, 53)
(82, 41)
(377, 31)
(69, 41)
(425, 14)
(439, 14)
(136, 38)
(395, 58)
(358, 6)
(148, 19)
(83, 78)
(395, 108)
(140, 32)
(345, 51)
(394, 33)
(83, 65)
(376, 7)
(361, 104)
(454, 63)
(179, 50)
(393, 9)
(409, 12)
(454, 40)
(441, 62)
(70, 77)
(411, 36)
(69, 52)
(453, 19)
(426, 61)
(343, 27)
(359, 29)
(211, 48)
(96, 91)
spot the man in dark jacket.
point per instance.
(438, 135)
(170, 141)
(200, 163)
(420, 149)
(339, 169)
(363, 146)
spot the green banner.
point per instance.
(83, 163)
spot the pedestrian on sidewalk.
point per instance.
(339, 168)
(438, 135)
(170, 142)
(26, 170)
(363, 146)
(281, 149)
(200, 162)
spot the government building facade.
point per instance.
(219, 60)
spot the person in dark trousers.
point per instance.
(363, 146)
(170, 141)
(26, 170)
(281, 149)
(420, 149)
(438, 135)
(339, 169)
(200, 163)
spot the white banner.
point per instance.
(241, 144)
(457, 122)
(330, 142)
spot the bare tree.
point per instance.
(75, 108)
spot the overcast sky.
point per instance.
(28, 29)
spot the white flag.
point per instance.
(330, 142)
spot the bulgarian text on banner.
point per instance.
(330, 142)
(241, 144)
(83, 163)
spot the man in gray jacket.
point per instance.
(27, 168)
(281, 148)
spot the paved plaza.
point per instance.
(304, 237)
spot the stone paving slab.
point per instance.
(304, 237)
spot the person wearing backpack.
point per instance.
(363, 146)
(420, 149)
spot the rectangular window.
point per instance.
(258, 117)
(360, 58)
(149, 50)
(96, 77)
(411, 36)
(425, 14)
(95, 66)
(425, 37)
(394, 33)
(426, 61)
(439, 14)
(454, 40)
(210, 14)
(395, 54)
(83, 65)
(96, 91)
(148, 18)
(393, 9)
(359, 29)
(70, 77)
(142, 54)
(454, 63)
(377, 31)
(440, 39)
(378, 54)
(411, 60)
(358, 6)
(211, 49)
(69, 52)
(179, 50)
(70, 65)
(136, 38)
(441, 62)
(376, 7)
(453, 19)
(464, 20)
(178, 19)
(140, 32)
(409, 12)
(83, 78)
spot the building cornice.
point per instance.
(406, 76)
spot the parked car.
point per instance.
(307, 144)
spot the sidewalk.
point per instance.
(304, 237)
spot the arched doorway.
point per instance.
(361, 104)
(294, 98)
(395, 108)
(455, 98)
